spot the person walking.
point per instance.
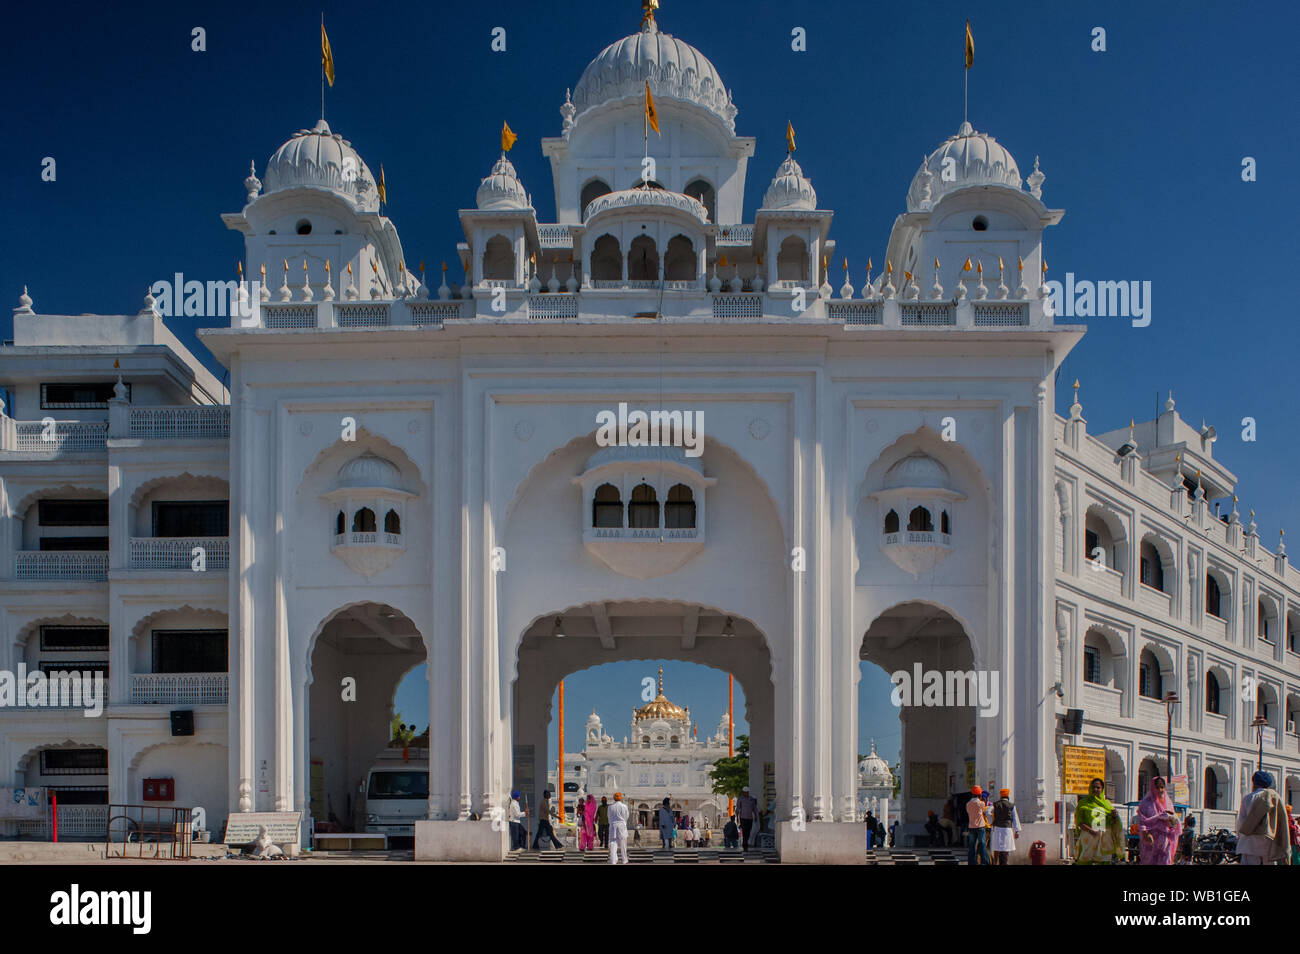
(617, 830)
(1006, 827)
(1263, 834)
(667, 825)
(518, 829)
(602, 822)
(544, 829)
(747, 815)
(871, 829)
(730, 833)
(977, 849)
(587, 835)
(1098, 832)
(1157, 826)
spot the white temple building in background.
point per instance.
(408, 472)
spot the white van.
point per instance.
(396, 796)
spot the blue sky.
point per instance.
(1141, 144)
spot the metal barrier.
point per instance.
(136, 824)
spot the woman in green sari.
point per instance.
(1098, 834)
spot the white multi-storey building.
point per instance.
(405, 475)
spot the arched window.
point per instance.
(1211, 789)
(606, 507)
(363, 521)
(645, 742)
(1146, 772)
(1212, 693)
(702, 191)
(679, 510)
(919, 520)
(1292, 634)
(499, 259)
(1151, 566)
(1266, 620)
(680, 260)
(643, 509)
(1092, 665)
(1149, 680)
(592, 191)
(643, 260)
(392, 522)
(944, 526)
(891, 522)
(1097, 537)
(340, 523)
(1264, 704)
(606, 260)
(1212, 596)
(674, 743)
(792, 260)
(304, 227)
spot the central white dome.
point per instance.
(322, 159)
(369, 471)
(977, 160)
(917, 470)
(675, 70)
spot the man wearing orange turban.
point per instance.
(977, 851)
(618, 829)
(1006, 827)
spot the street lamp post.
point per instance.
(1171, 700)
(1258, 723)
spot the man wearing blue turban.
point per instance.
(1263, 835)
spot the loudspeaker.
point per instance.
(1073, 722)
(182, 722)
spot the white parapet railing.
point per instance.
(60, 437)
(61, 565)
(75, 821)
(738, 305)
(189, 422)
(177, 553)
(555, 305)
(191, 688)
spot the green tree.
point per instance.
(898, 781)
(731, 774)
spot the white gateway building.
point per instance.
(406, 472)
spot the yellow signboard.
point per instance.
(1082, 765)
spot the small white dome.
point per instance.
(874, 772)
(370, 470)
(977, 160)
(790, 189)
(674, 69)
(917, 470)
(502, 188)
(593, 720)
(319, 158)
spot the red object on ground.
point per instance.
(1038, 853)
(54, 814)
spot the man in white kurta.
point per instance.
(1006, 827)
(617, 829)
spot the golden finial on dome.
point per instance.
(659, 707)
(648, 8)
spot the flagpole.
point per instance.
(322, 69)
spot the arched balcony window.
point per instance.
(1150, 683)
(606, 260)
(1151, 565)
(792, 260)
(1092, 665)
(1213, 597)
(679, 511)
(363, 521)
(643, 509)
(607, 507)
(499, 259)
(702, 191)
(340, 523)
(392, 522)
(1213, 691)
(891, 522)
(1211, 789)
(680, 261)
(945, 526)
(643, 260)
(919, 520)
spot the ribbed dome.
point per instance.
(502, 188)
(790, 189)
(319, 158)
(917, 470)
(874, 772)
(978, 160)
(370, 470)
(660, 708)
(675, 70)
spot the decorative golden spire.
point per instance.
(660, 707)
(648, 8)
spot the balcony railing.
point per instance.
(739, 305)
(1101, 701)
(1156, 601)
(196, 422)
(75, 822)
(58, 438)
(371, 538)
(644, 533)
(177, 553)
(185, 688)
(855, 312)
(551, 306)
(61, 565)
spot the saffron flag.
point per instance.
(789, 135)
(970, 47)
(651, 117)
(326, 56)
(508, 138)
(383, 189)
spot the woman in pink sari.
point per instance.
(1157, 826)
(587, 837)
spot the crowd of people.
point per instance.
(606, 825)
(991, 826)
